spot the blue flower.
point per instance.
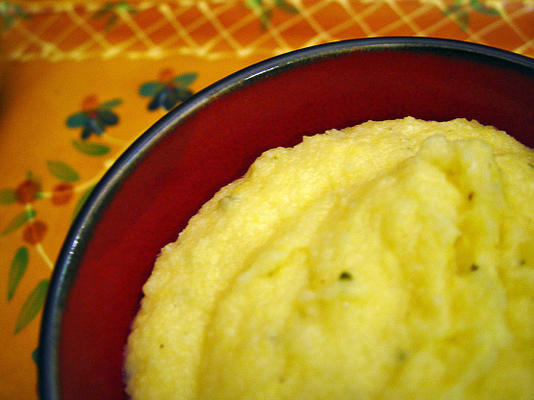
(94, 117)
(169, 90)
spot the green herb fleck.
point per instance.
(345, 276)
(470, 196)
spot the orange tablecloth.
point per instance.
(80, 81)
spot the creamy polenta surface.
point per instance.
(391, 260)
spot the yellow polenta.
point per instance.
(392, 260)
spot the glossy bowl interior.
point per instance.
(161, 181)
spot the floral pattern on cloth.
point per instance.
(214, 29)
(34, 229)
(168, 90)
(111, 11)
(93, 119)
(264, 10)
(10, 13)
(461, 11)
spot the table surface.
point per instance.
(81, 80)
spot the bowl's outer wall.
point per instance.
(211, 149)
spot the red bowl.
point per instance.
(150, 193)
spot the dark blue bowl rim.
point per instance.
(79, 234)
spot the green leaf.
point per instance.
(19, 11)
(100, 13)
(7, 196)
(81, 201)
(32, 177)
(32, 305)
(111, 22)
(265, 17)
(185, 80)
(482, 8)
(62, 171)
(150, 88)
(16, 272)
(284, 5)
(462, 17)
(254, 4)
(18, 221)
(77, 119)
(454, 7)
(111, 103)
(263, 12)
(8, 22)
(125, 7)
(103, 11)
(91, 149)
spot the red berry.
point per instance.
(27, 191)
(34, 232)
(62, 193)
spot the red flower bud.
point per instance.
(166, 75)
(90, 102)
